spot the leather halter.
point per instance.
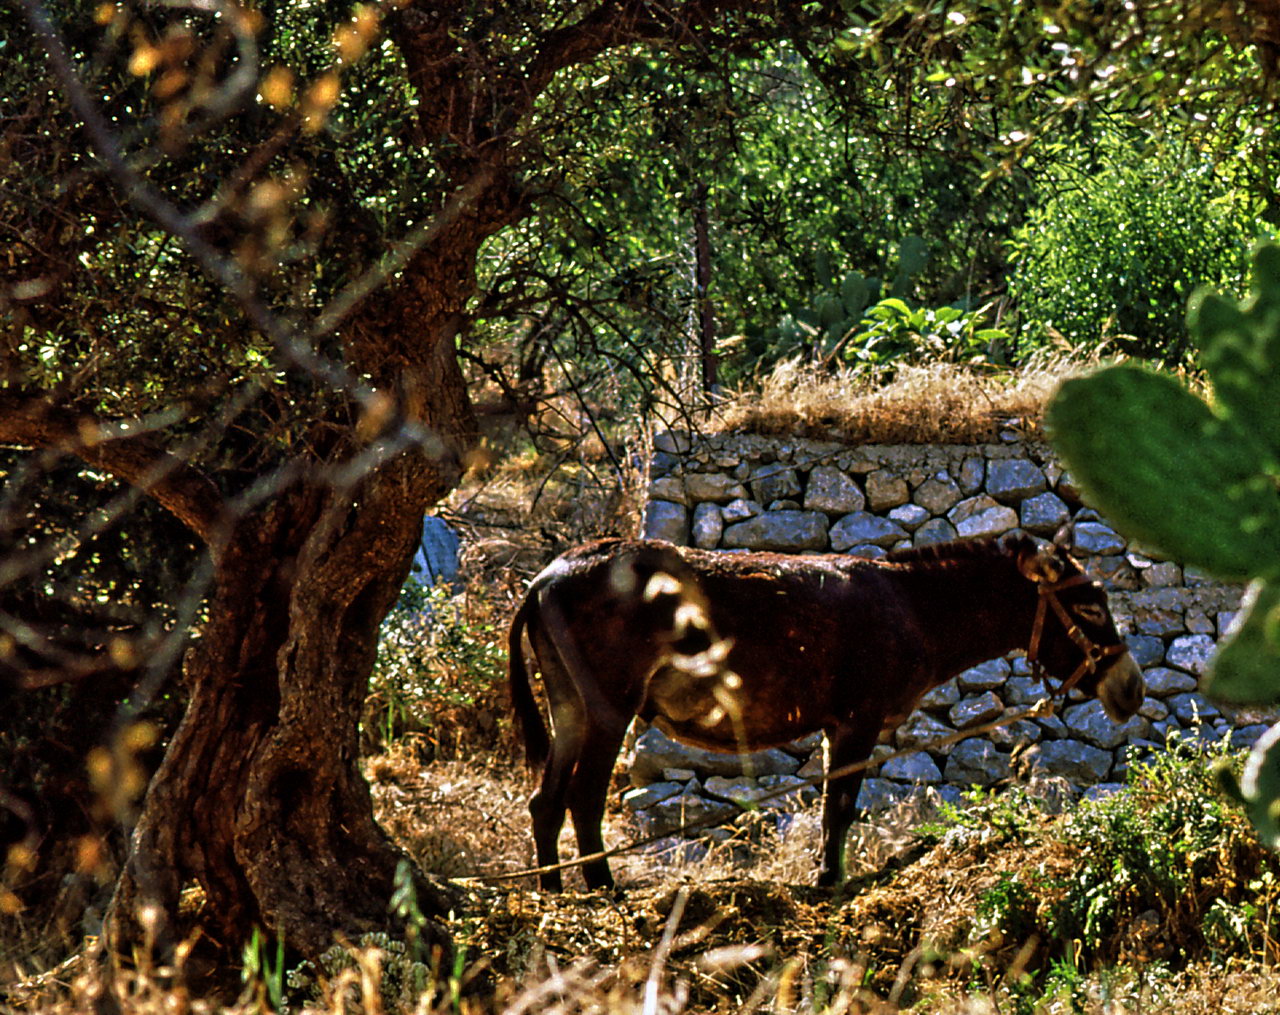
(1094, 654)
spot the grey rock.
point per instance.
(740, 790)
(1160, 621)
(1162, 682)
(673, 442)
(976, 762)
(886, 490)
(1096, 538)
(974, 711)
(1153, 709)
(973, 471)
(1067, 488)
(880, 794)
(864, 527)
(1146, 650)
(783, 505)
(1198, 622)
(1044, 514)
(1016, 734)
(868, 550)
(713, 486)
(832, 491)
(982, 516)
(1054, 728)
(1090, 723)
(1023, 690)
(661, 462)
(920, 729)
(1162, 575)
(779, 530)
(1103, 790)
(938, 494)
(774, 482)
(918, 767)
(1010, 480)
(1191, 652)
(669, 488)
(740, 510)
(666, 520)
(1072, 760)
(679, 774)
(813, 767)
(656, 752)
(936, 530)
(708, 526)
(640, 797)
(1192, 709)
(806, 745)
(1225, 619)
(801, 792)
(943, 696)
(1247, 736)
(669, 816)
(909, 516)
(985, 676)
(1195, 576)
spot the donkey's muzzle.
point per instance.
(1121, 688)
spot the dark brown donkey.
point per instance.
(739, 652)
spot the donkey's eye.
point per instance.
(1090, 613)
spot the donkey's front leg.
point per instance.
(846, 745)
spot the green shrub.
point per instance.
(1115, 255)
(1155, 855)
(439, 674)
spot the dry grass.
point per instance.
(737, 929)
(938, 403)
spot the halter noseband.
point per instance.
(1094, 654)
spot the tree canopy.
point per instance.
(259, 258)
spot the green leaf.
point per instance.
(1259, 787)
(1246, 664)
(1240, 347)
(1155, 459)
(822, 267)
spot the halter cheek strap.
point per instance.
(1094, 653)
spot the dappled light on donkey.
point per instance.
(739, 652)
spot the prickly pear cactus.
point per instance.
(1199, 480)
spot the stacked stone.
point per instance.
(746, 492)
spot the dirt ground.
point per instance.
(741, 920)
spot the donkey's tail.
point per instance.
(533, 729)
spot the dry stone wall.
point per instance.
(745, 492)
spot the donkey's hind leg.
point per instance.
(568, 727)
(589, 790)
(845, 746)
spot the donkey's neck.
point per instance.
(973, 609)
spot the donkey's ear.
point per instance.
(1040, 564)
(1065, 537)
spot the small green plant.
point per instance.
(1011, 814)
(1009, 906)
(439, 669)
(1198, 481)
(262, 971)
(894, 332)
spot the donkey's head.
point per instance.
(1073, 637)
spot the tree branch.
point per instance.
(187, 493)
